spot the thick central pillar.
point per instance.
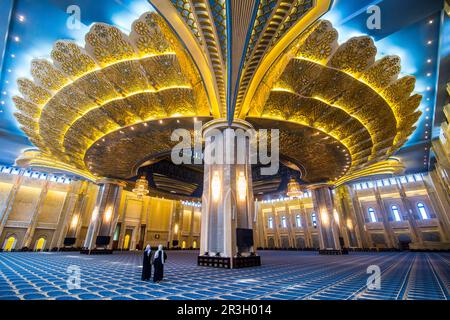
(104, 217)
(228, 216)
(328, 221)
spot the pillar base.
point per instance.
(333, 251)
(238, 262)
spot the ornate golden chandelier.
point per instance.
(294, 190)
(141, 187)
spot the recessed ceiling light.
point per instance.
(13, 56)
(429, 74)
(21, 18)
(429, 60)
(9, 70)
(428, 88)
(16, 39)
(4, 93)
(429, 42)
(427, 109)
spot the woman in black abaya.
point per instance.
(158, 262)
(147, 264)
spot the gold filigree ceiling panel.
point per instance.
(107, 45)
(118, 114)
(345, 77)
(320, 116)
(320, 156)
(47, 76)
(132, 146)
(32, 92)
(115, 81)
(72, 59)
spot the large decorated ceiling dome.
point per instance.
(109, 108)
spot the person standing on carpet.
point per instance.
(147, 264)
(158, 262)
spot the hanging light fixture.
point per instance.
(294, 189)
(141, 187)
(215, 186)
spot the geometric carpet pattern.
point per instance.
(284, 275)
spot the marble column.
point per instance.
(191, 228)
(348, 220)
(105, 214)
(305, 225)
(328, 227)
(63, 226)
(276, 227)
(358, 215)
(227, 193)
(291, 227)
(440, 200)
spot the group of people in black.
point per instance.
(157, 260)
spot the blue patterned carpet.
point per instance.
(284, 275)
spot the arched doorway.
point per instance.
(10, 243)
(126, 242)
(194, 244)
(183, 245)
(40, 244)
(271, 243)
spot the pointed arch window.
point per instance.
(372, 215)
(422, 211)
(270, 223)
(314, 219)
(283, 222)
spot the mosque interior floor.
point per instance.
(284, 275)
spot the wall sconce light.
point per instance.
(94, 214)
(215, 186)
(242, 186)
(349, 224)
(324, 217)
(74, 221)
(108, 214)
(336, 216)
